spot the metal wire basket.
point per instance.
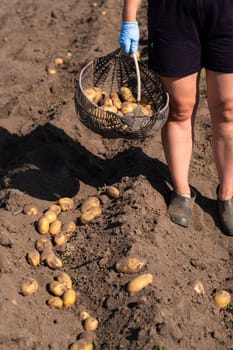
(110, 73)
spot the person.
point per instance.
(185, 36)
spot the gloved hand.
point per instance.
(129, 37)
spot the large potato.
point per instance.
(55, 227)
(43, 243)
(130, 264)
(33, 257)
(90, 202)
(56, 288)
(90, 215)
(43, 225)
(90, 324)
(29, 286)
(69, 297)
(65, 279)
(66, 203)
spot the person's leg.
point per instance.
(177, 134)
(220, 100)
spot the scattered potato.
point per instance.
(222, 298)
(53, 261)
(90, 324)
(90, 202)
(69, 297)
(112, 192)
(52, 71)
(46, 254)
(56, 288)
(43, 225)
(82, 344)
(140, 282)
(55, 227)
(69, 54)
(66, 203)
(58, 61)
(84, 315)
(30, 210)
(103, 13)
(56, 302)
(65, 279)
(69, 228)
(130, 264)
(198, 287)
(29, 286)
(33, 257)
(56, 208)
(60, 239)
(90, 215)
(51, 216)
(43, 243)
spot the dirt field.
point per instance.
(46, 153)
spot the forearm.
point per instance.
(130, 9)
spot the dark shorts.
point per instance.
(186, 35)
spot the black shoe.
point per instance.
(225, 209)
(180, 208)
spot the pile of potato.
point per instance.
(121, 103)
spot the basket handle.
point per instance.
(138, 78)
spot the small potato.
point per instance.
(51, 216)
(140, 282)
(29, 286)
(69, 228)
(112, 192)
(33, 257)
(130, 264)
(56, 208)
(66, 203)
(108, 102)
(84, 315)
(115, 99)
(90, 215)
(53, 261)
(69, 297)
(58, 61)
(126, 94)
(128, 107)
(198, 287)
(55, 227)
(43, 243)
(82, 344)
(90, 202)
(56, 288)
(65, 279)
(43, 225)
(60, 239)
(30, 210)
(222, 298)
(90, 324)
(56, 302)
(52, 71)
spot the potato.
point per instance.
(90, 93)
(43, 225)
(55, 227)
(128, 107)
(90, 215)
(30, 210)
(140, 282)
(56, 208)
(56, 302)
(60, 239)
(46, 254)
(112, 192)
(108, 102)
(33, 257)
(90, 323)
(52, 71)
(115, 99)
(52, 260)
(50, 215)
(56, 288)
(43, 243)
(84, 315)
(126, 94)
(98, 95)
(90, 202)
(29, 286)
(65, 279)
(58, 61)
(66, 203)
(82, 344)
(69, 228)
(130, 264)
(222, 298)
(198, 287)
(69, 297)
(111, 109)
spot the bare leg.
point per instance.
(220, 100)
(177, 134)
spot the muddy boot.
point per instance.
(180, 208)
(225, 209)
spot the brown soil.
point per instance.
(46, 153)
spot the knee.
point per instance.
(182, 111)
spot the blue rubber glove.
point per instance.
(129, 37)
